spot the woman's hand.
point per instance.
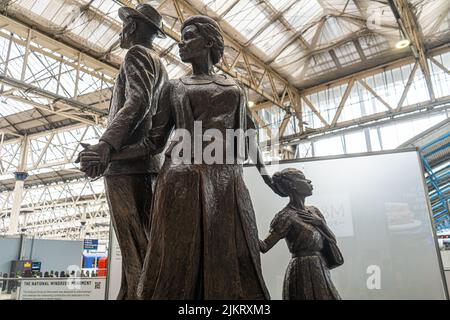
(262, 246)
(269, 181)
(91, 161)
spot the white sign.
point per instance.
(337, 211)
(115, 267)
(366, 200)
(63, 289)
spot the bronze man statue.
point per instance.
(309, 239)
(128, 183)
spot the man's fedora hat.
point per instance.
(145, 12)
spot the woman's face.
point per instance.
(192, 45)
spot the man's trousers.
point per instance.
(129, 198)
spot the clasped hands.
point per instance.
(94, 159)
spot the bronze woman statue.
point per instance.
(203, 237)
(310, 241)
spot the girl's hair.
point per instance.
(281, 178)
(279, 184)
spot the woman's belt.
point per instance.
(306, 254)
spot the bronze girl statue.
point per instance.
(309, 239)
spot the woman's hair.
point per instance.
(282, 178)
(210, 30)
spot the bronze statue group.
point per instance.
(188, 230)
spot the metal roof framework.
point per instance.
(58, 60)
(276, 48)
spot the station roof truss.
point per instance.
(59, 59)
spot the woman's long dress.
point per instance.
(307, 276)
(203, 240)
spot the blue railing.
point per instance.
(437, 179)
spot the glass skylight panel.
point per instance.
(9, 107)
(105, 35)
(9, 158)
(327, 101)
(55, 11)
(175, 51)
(355, 104)
(281, 4)
(164, 43)
(328, 146)
(272, 38)
(309, 32)
(39, 7)
(304, 149)
(37, 99)
(247, 17)
(50, 84)
(88, 84)
(375, 142)
(303, 12)
(310, 119)
(335, 29)
(441, 79)
(389, 136)
(67, 81)
(175, 71)
(96, 31)
(321, 63)
(15, 67)
(291, 62)
(297, 70)
(373, 45)
(388, 85)
(63, 15)
(366, 101)
(40, 68)
(218, 6)
(86, 28)
(355, 142)
(108, 7)
(109, 39)
(28, 4)
(291, 127)
(430, 14)
(445, 26)
(340, 6)
(289, 55)
(347, 54)
(4, 44)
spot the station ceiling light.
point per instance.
(402, 44)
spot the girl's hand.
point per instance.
(314, 221)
